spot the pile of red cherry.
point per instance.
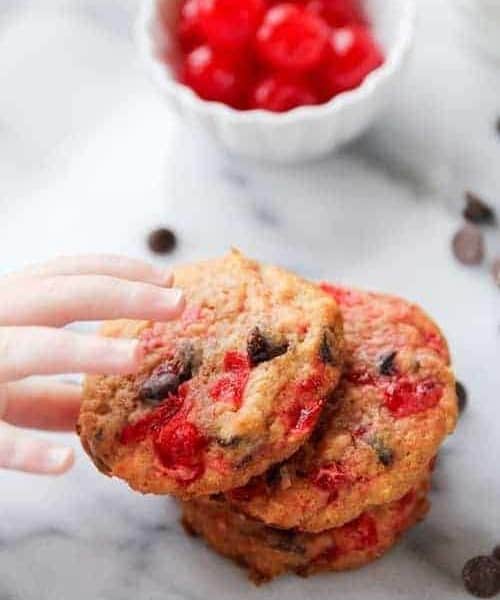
(264, 54)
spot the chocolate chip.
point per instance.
(461, 395)
(167, 377)
(498, 125)
(481, 576)
(273, 476)
(285, 540)
(477, 211)
(468, 245)
(229, 442)
(261, 349)
(496, 553)
(386, 365)
(495, 271)
(326, 352)
(384, 454)
(162, 382)
(162, 240)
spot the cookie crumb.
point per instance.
(162, 240)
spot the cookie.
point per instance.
(394, 406)
(269, 552)
(235, 385)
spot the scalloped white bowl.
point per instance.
(302, 133)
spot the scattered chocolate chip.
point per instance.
(386, 365)
(496, 553)
(495, 271)
(468, 245)
(498, 125)
(326, 353)
(481, 576)
(384, 454)
(162, 240)
(261, 349)
(230, 442)
(477, 211)
(461, 395)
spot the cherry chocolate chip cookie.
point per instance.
(269, 552)
(383, 425)
(234, 386)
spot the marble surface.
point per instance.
(90, 160)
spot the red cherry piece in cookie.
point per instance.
(215, 76)
(359, 534)
(343, 296)
(352, 54)
(279, 94)
(303, 410)
(230, 23)
(230, 386)
(338, 13)
(330, 478)
(189, 32)
(153, 421)
(291, 38)
(179, 446)
(404, 398)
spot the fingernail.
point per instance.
(175, 299)
(58, 460)
(163, 277)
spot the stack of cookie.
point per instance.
(297, 423)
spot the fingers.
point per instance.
(59, 300)
(112, 265)
(48, 405)
(28, 351)
(21, 452)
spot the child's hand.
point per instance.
(33, 305)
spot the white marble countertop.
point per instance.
(90, 160)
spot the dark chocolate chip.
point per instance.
(159, 385)
(461, 395)
(167, 378)
(230, 442)
(273, 476)
(384, 454)
(481, 576)
(468, 245)
(162, 240)
(285, 540)
(496, 553)
(495, 271)
(325, 351)
(261, 349)
(477, 211)
(386, 365)
(498, 125)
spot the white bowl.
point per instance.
(302, 133)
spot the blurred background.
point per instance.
(91, 160)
